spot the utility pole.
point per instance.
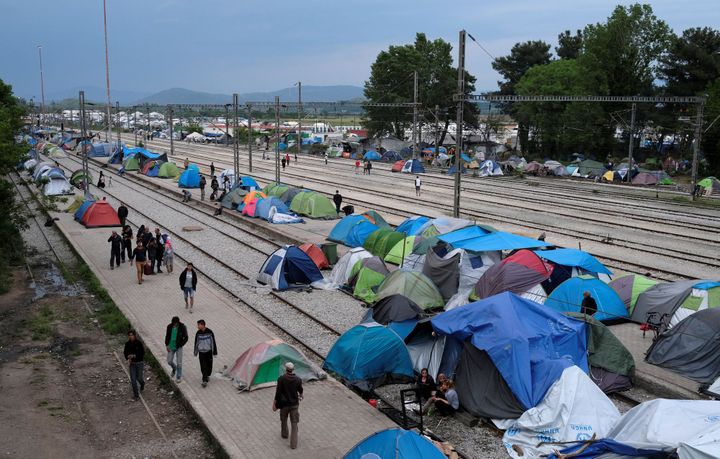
(277, 139)
(415, 114)
(147, 121)
(117, 120)
(631, 141)
(84, 146)
(250, 137)
(42, 84)
(299, 114)
(696, 146)
(170, 124)
(227, 122)
(236, 142)
(437, 129)
(135, 125)
(108, 135)
(459, 121)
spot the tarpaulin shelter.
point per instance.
(569, 263)
(517, 273)
(490, 168)
(413, 285)
(352, 230)
(498, 240)
(168, 170)
(402, 248)
(288, 267)
(262, 364)
(629, 288)
(382, 240)
(591, 168)
(230, 174)
(190, 178)
(275, 189)
(151, 168)
(368, 356)
(612, 366)
(662, 298)
(314, 205)
(533, 167)
(690, 348)
(100, 150)
(568, 296)
(365, 277)
(100, 214)
(376, 219)
(442, 225)
(315, 254)
(516, 341)
(344, 266)
(412, 224)
(395, 443)
(396, 308)
(266, 208)
(437, 353)
(248, 183)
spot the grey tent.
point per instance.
(663, 298)
(444, 272)
(233, 198)
(289, 195)
(481, 388)
(691, 348)
(518, 273)
(439, 354)
(396, 308)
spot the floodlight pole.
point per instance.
(83, 146)
(107, 72)
(250, 137)
(117, 120)
(631, 140)
(415, 114)
(236, 142)
(459, 122)
(170, 124)
(696, 146)
(277, 139)
(299, 115)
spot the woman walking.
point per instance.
(139, 254)
(168, 257)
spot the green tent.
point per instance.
(168, 170)
(334, 152)
(314, 205)
(261, 365)
(402, 249)
(366, 275)
(381, 241)
(666, 181)
(710, 183)
(413, 285)
(275, 189)
(425, 244)
(590, 167)
(233, 199)
(131, 164)
(77, 202)
(630, 287)
(604, 349)
(77, 177)
(376, 219)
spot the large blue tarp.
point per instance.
(529, 344)
(396, 444)
(190, 178)
(498, 240)
(352, 231)
(412, 225)
(568, 296)
(464, 234)
(574, 257)
(369, 355)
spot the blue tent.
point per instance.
(413, 166)
(574, 257)
(190, 178)
(529, 344)
(247, 182)
(498, 240)
(100, 149)
(391, 156)
(372, 155)
(153, 171)
(83, 207)
(370, 355)
(412, 225)
(395, 443)
(352, 231)
(569, 295)
(453, 169)
(263, 208)
(288, 266)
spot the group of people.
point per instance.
(151, 252)
(441, 395)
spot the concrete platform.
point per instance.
(332, 418)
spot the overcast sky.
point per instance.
(230, 46)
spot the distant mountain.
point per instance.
(184, 96)
(309, 93)
(96, 94)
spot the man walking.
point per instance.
(159, 250)
(212, 169)
(122, 213)
(176, 336)
(418, 184)
(115, 247)
(337, 199)
(135, 354)
(588, 305)
(288, 393)
(205, 349)
(188, 284)
(127, 234)
(202, 187)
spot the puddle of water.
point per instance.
(51, 281)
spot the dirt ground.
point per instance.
(64, 394)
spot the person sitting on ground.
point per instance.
(186, 196)
(218, 211)
(445, 400)
(425, 384)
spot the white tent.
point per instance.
(57, 186)
(341, 271)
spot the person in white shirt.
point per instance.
(418, 183)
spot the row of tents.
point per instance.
(48, 177)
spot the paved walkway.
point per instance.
(333, 419)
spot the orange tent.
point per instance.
(316, 255)
(397, 167)
(100, 214)
(253, 195)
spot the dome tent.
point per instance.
(314, 252)
(100, 214)
(375, 218)
(82, 209)
(414, 285)
(352, 231)
(275, 189)
(168, 170)
(262, 364)
(630, 287)
(288, 267)
(314, 205)
(366, 275)
(131, 163)
(518, 273)
(344, 266)
(267, 207)
(77, 178)
(568, 296)
(381, 241)
(190, 178)
(402, 248)
(395, 443)
(234, 198)
(396, 308)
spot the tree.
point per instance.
(692, 62)
(569, 46)
(391, 81)
(711, 138)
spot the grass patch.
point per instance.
(110, 317)
(41, 324)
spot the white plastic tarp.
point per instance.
(665, 424)
(573, 409)
(704, 446)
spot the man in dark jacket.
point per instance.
(116, 242)
(288, 393)
(159, 250)
(337, 199)
(188, 284)
(205, 349)
(588, 305)
(127, 235)
(135, 354)
(202, 187)
(122, 213)
(176, 336)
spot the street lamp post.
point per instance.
(299, 115)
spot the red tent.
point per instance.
(516, 273)
(100, 214)
(397, 167)
(316, 255)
